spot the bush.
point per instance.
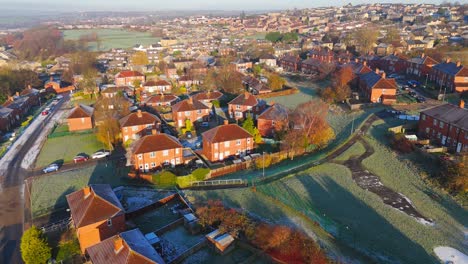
(216, 103)
(68, 250)
(402, 144)
(200, 174)
(34, 247)
(197, 175)
(263, 161)
(164, 178)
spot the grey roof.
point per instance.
(105, 191)
(138, 243)
(451, 114)
(4, 111)
(450, 68)
(370, 78)
(276, 112)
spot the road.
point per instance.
(12, 199)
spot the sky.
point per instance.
(155, 5)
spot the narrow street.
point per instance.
(14, 211)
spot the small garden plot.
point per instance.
(155, 219)
(207, 255)
(134, 198)
(177, 241)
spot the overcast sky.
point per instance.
(155, 5)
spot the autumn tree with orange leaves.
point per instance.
(340, 87)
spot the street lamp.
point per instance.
(427, 75)
(263, 156)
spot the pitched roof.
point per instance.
(227, 132)
(81, 111)
(275, 112)
(157, 83)
(450, 68)
(187, 105)
(135, 250)
(156, 142)
(245, 99)
(214, 95)
(161, 98)
(125, 74)
(267, 57)
(138, 118)
(449, 113)
(4, 111)
(375, 81)
(100, 204)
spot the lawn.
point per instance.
(307, 91)
(178, 240)
(65, 148)
(155, 219)
(48, 191)
(207, 255)
(112, 38)
(355, 150)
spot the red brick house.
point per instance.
(447, 125)
(393, 63)
(188, 81)
(96, 214)
(128, 77)
(290, 63)
(189, 109)
(59, 86)
(377, 88)
(208, 97)
(242, 65)
(129, 247)
(241, 105)
(420, 66)
(80, 118)
(451, 76)
(138, 124)
(161, 100)
(150, 152)
(157, 86)
(226, 140)
(272, 120)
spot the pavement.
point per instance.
(14, 211)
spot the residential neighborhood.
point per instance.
(230, 133)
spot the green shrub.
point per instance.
(200, 174)
(216, 103)
(34, 247)
(164, 178)
(68, 250)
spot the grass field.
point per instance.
(48, 191)
(112, 38)
(354, 151)
(67, 147)
(307, 91)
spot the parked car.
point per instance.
(45, 112)
(421, 99)
(413, 83)
(205, 124)
(188, 134)
(52, 167)
(80, 158)
(393, 75)
(100, 154)
(59, 97)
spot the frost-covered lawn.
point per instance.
(355, 150)
(155, 219)
(450, 255)
(134, 198)
(207, 255)
(178, 240)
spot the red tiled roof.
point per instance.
(156, 142)
(133, 119)
(186, 105)
(157, 83)
(161, 98)
(245, 99)
(81, 111)
(225, 133)
(125, 74)
(99, 205)
(215, 95)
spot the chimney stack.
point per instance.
(86, 191)
(422, 55)
(226, 122)
(462, 104)
(377, 70)
(447, 60)
(364, 63)
(384, 75)
(190, 100)
(246, 95)
(17, 93)
(154, 132)
(139, 114)
(458, 63)
(118, 244)
(29, 86)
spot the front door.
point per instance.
(180, 123)
(146, 167)
(459, 147)
(221, 156)
(444, 138)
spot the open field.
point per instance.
(48, 191)
(307, 91)
(112, 38)
(65, 148)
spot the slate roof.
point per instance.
(99, 205)
(375, 81)
(227, 132)
(244, 99)
(156, 142)
(448, 68)
(275, 112)
(136, 250)
(81, 111)
(133, 119)
(451, 114)
(186, 105)
(4, 111)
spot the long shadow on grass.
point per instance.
(111, 172)
(360, 225)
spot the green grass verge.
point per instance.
(355, 150)
(48, 191)
(67, 147)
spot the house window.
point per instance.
(441, 125)
(141, 167)
(226, 144)
(140, 156)
(152, 154)
(165, 152)
(109, 222)
(177, 160)
(216, 145)
(435, 122)
(428, 130)
(134, 128)
(238, 114)
(248, 140)
(82, 120)
(216, 155)
(149, 126)
(423, 117)
(438, 135)
(125, 129)
(187, 113)
(153, 165)
(238, 107)
(273, 122)
(238, 142)
(199, 111)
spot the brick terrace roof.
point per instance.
(225, 133)
(125, 74)
(99, 205)
(215, 95)
(449, 113)
(157, 83)
(135, 250)
(245, 99)
(186, 105)
(134, 120)
(156, 142)
(275, 112)
(161, 98)
(81, 111)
